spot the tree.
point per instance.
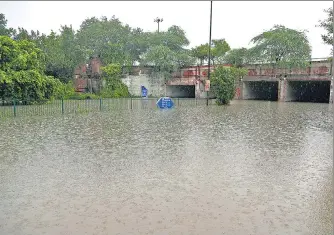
(4, 31)
(166, 50)
(236, 57)
(114, 87)
(161, 57)
(22, 72)
(201, 52)
(174, 38)
(63, 53)
(109, 39)
(282, 47)
(219, 49)
(23, 34)
(223, 83)
(327, 24)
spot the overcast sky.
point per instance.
(238, 22)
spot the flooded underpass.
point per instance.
(181, 91)
(308, 91)
(255, 168)
(260, 90)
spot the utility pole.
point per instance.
(209, 62)
(158, 20)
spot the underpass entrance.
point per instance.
(260, 90)
(308, 91)
(181, 91)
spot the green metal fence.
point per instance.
(59, 107)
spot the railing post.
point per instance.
(100, 104)
(14, 108)
(62, 105)
(131, 103)
(178, 102)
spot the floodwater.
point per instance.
(251, 168)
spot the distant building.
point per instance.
(87, 77)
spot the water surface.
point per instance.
(250, 168)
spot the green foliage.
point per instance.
(63, 53)
(201, 52)
(218, 50)
(166, 51)
(161, 57)
(237, 57)
(111, 40)
(81, 96)
(22, 72)
(281, 46)
(4, 31)
(327, 24)
(114, 87)
(165, 61)
(223, 83)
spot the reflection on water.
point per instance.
(250, 168)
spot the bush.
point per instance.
(223, 83)
(82, 96)
(114, 87)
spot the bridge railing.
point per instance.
(309, 71)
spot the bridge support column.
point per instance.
(331, 92)
(239, 90)
(281, 90)
(285, 91)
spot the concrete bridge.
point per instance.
(263, 82)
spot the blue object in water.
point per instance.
(143, 91)
(165, 103)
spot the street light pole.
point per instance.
(158, 20)
(209, 62)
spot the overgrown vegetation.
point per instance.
(113, 88)
(327, 24)
(223, 82)
(22, 74)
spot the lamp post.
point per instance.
(158, 20)
(209, 62)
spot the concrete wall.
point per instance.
(331, 92)
(154, 84)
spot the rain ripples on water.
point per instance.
(249, 168)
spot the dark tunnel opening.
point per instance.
(309, 91)
(180, 91)
(261, 90)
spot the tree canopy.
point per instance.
(22, 75)
(281, 46)
(218, 50)
(237, 57)
(327, 24)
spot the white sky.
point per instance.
(237, 22)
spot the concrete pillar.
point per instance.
(331, 92)
(247, 91)
(285, 91)
(281, 90)
(238, 90)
